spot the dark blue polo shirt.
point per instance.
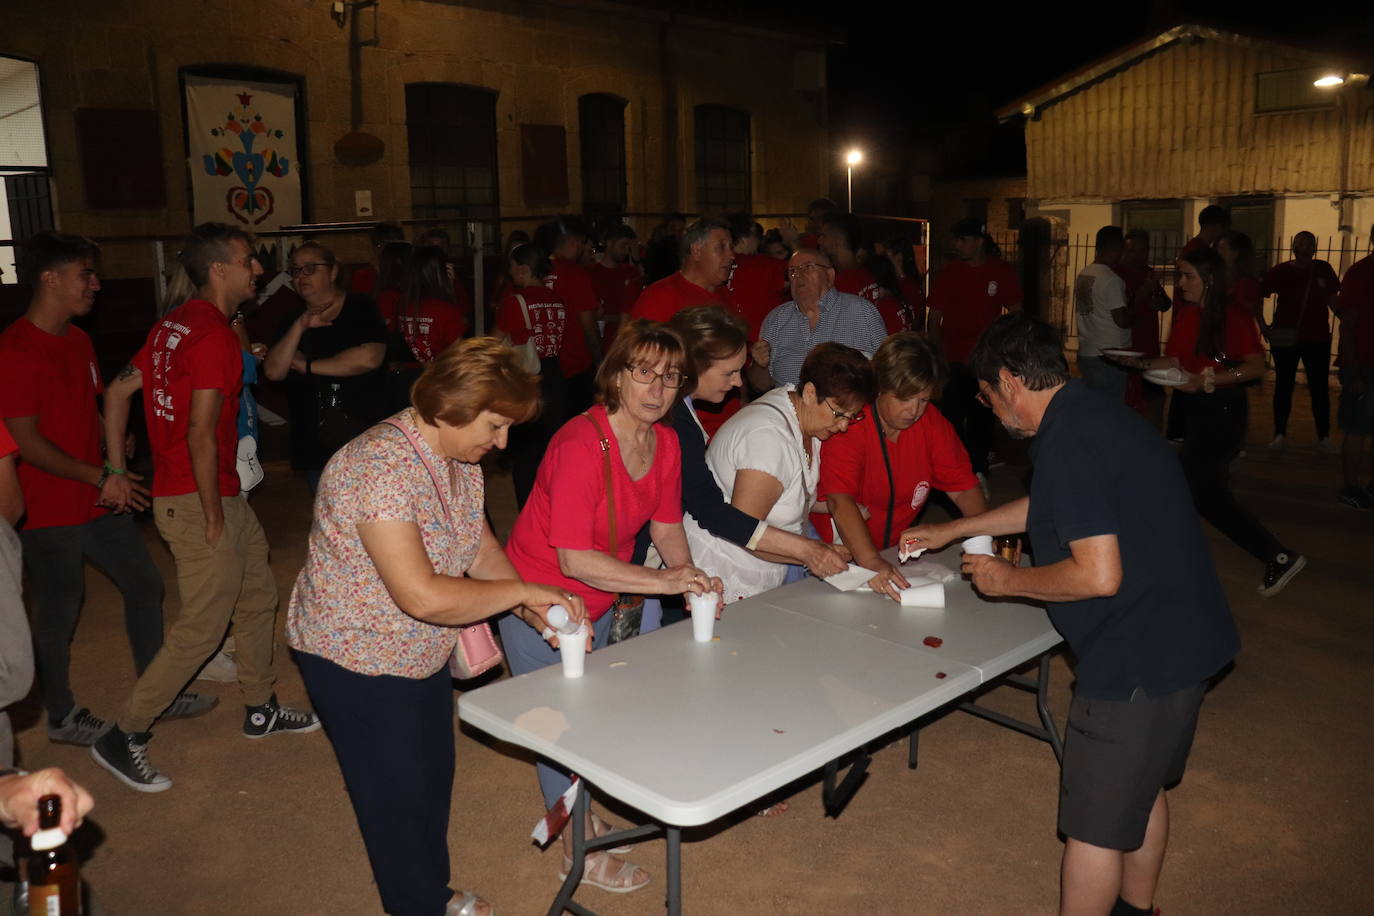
(1101, 469)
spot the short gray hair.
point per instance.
(699, 232)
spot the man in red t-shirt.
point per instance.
(1356, 414)
(970, 293)
(191, 372)
(758, 283)
(707, 253)
(564, 239)
(49, 390)
(617, 279)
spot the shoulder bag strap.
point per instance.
(433, 475)
(610, 480)
(524, 310)
(891, 482)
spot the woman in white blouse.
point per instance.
(766, 459)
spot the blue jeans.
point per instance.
(527, 651)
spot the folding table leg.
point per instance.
(1042, 706)
(674, 871)
(563, 901)
(835, 797)
(912, 747)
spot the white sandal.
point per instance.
(594, 873)
(605, 827)
(466, 905)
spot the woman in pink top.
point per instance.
(563, 534)
(401, 556)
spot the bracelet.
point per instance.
(111, 469)
(12, 771)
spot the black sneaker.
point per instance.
(189, 705)
(1356, 498)
(79, 727)
(272, 717)
(125, 754)
(1279, 571)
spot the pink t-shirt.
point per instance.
(568, 506)
(340, 608)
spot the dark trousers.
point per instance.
(1316, 362)
(581, 393)
(393, 737)
(56, 562)
(1214, 434)
(529, 441)
(971, 420)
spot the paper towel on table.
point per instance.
(928, 568)
(851, 579)
(925, 594)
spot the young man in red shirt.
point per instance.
(1356, 416)
(970, 293)
(617, 279)
(191, 374)
(564, 239)
(49, 390)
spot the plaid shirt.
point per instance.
(845, 319)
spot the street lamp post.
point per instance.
(1343, 82)
(851, 159)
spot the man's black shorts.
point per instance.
(1117, 756)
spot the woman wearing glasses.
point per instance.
(330, 353)
(767, 460)
(606, 474)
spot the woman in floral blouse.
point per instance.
(400, 556)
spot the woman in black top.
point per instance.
(330, 353)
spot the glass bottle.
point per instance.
(54, 881)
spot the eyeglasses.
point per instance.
(646, 376)
(841, 415)
(306, 269)
(983, 399)
(801, 270)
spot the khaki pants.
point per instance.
(230, 581)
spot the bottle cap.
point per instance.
(51, 838)
(558, 618)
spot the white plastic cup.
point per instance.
(573, 648)
(982, 544)
(703, 615)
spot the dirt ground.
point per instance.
(1272, 817)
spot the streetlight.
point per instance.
(1343, 82)
(1329, 81)
(851, 159)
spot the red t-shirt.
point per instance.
(192, 349)
(568, 507)
(1144, 316)
(664, 299)
(757, 285)
(428, 329)
(859, 281)
(617, 287)
(547, 319)
(809, 240)
(57, 380)
(971, 299)
(1357, 298)
(1245, 294)
(1304, 293)
(915, 296)
(363, 280)
(7, 446)
(1240, 339)
(926, 456)
(573, 286)
(893, 315)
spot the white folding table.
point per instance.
(778, 695)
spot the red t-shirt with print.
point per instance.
(573, 286)
(971, 297)
(926, 456)
(55, 378)
(1240, 338)
(428, 328)
(192, 349)
(547, 319)
(859, 281)
(617, 287)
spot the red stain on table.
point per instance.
(934, 642)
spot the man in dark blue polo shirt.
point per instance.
(1127, 577)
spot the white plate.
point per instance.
(1121, 354)
(1170, 378)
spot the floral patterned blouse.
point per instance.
(340, 609)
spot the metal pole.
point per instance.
(849, 185)
(479, 293)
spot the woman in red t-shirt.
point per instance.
(526, 270)
(426, 315)
(1216, 345)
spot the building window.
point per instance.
(1255, 217)
(1016, 212)
(1290, 90)
(723, 160)
(1163, 219)
(601, 123)
(452, 134)
(25, 199)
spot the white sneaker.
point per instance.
(1328, 447)
(220, 668)
(1277, 445)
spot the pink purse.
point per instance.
(476, 651)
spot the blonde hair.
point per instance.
(906, 365)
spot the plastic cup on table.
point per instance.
(703, 615)
(982, 544)
(573, 649)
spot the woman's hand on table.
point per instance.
(827, 559)
(888, 580)
(927, 537)
(990, 575)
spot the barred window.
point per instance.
(722, 159)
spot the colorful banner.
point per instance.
(242, 142)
